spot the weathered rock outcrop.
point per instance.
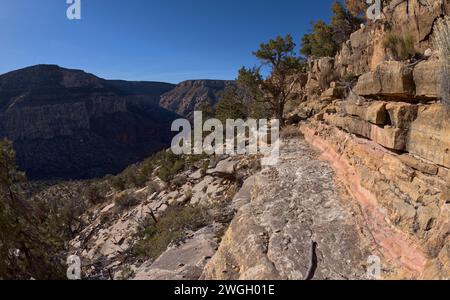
(422, 130)
(412, 192)
(427, 79)
(390, 79)
(429, 135)
(388, 138)
(106, 244)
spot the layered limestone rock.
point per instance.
(427, 78)
(390, 79)
(416, 18)
(429, 135)
(422, 130)
(414, 194)
(373, 112)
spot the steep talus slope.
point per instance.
(68, 124)
(107, 244)
(188, 96)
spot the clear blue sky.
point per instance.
(161, 40)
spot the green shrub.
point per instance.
(170, 164)
(95, 194)
(118, 183)
(153, 187)
(178, 181)
(125, 200)
(204, 168)
(402, 47)
(171, 227)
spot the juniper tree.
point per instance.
(25, 250)
(279, 56)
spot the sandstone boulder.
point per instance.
(418, 164)
(391, 80)
(427, 78)
(374, 113)
(182, 262)
(401, 114)
(429, 135)
(389, 137)
(351, 124)
(333, 93)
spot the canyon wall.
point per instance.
(381, 123)
(67, 124)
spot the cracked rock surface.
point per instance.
(288, 207)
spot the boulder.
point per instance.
(374, 113)
(184, 261)
(427, 78)
(401, 114)
(391, 80)
(227, 166)
(389, 137)
(333, 93)
(351, 124)
(418, 164)
(427, 216)
(429, 135)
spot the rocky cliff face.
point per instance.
(188, 96)
(366, 173)
(70, 124)
(387, 135)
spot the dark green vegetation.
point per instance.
(326, 39)
(262, 97)
(28, 248)
(170, 228)
(165, 165)
(37, 219)
(402, 47)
